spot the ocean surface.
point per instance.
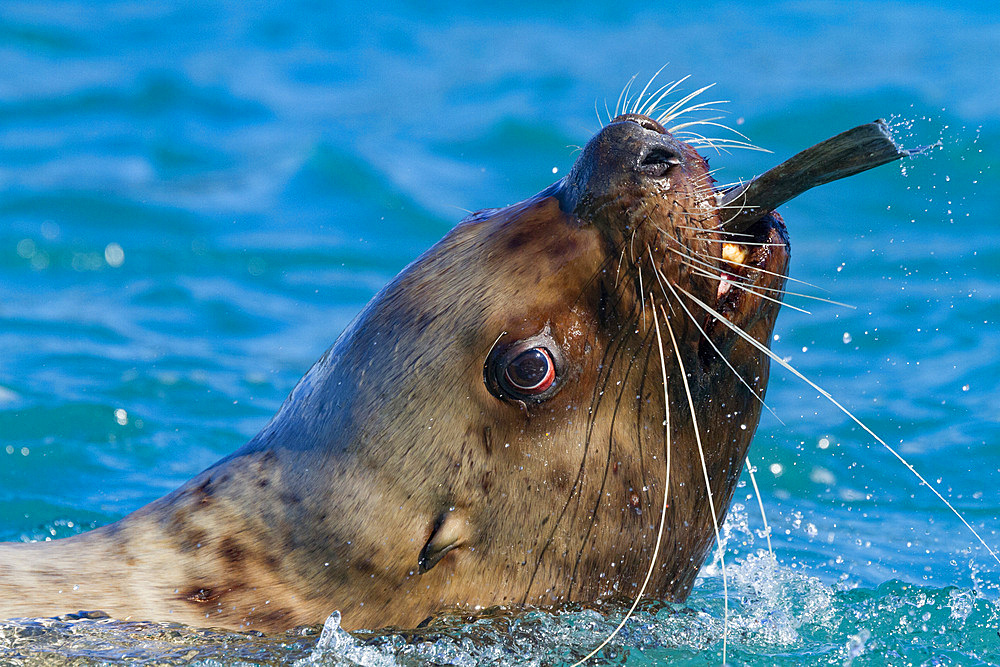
(197, 197)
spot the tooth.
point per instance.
(733, 253)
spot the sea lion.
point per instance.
(493, 428)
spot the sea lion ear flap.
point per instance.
(449, 532)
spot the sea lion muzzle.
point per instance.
(629, 149)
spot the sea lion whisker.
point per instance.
(599, 498)
(765, 271)
(683, 130)
(705, 335)
(682, 250)
(772, 273)
(787, 366)
(706, 197)
(656, 273)
(739, 208)
(642, 299)
(659, 276)
(675, 237)
(741, 283)
(708, 486)
(676, 129)
(710, 121)
(695, 139)
(689, 255)
(656, 98)
(650, 108)
(702, 230)
(735, 278)
(701, 106)
(722, 145)
(610, 352)
(600, 390)
(760, 503)
(746, 243)
(490, 351)
(678, 108)
(631, 242)
(698, 137)
(802, 295)
(595, 275)
(670, 237)
(661, 280)
(716, 196)
(715, 229)
(723, 187)
(618, 271)
(726, 207)
(718, 143)
(639, 404)
(663, 508)
(621, 95)
(628, 97)
(635, 106)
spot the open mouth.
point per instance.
(752, 266)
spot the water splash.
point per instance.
(778, 616)
(337, 647)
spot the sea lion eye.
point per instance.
(524, 371)
(532, 371)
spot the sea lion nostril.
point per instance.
(644, 122)
(658, 161)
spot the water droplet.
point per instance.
(333, 638)
(26, 248)
(114, 255)
(50, 230)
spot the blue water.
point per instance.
(196, 197)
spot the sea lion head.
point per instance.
(495, 427)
